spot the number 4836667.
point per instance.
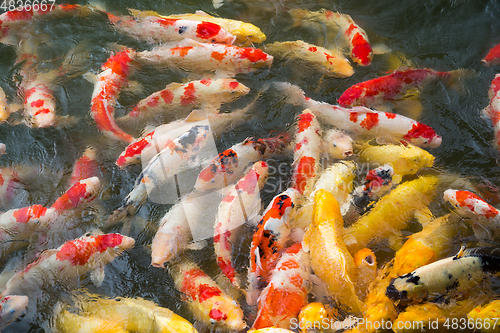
(475, 324)
(28, 5)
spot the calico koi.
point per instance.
(377, 183)
(319, 57)
(106, 90)
(307, 152)
(85, 167)
(269, 240)
(246, 33)
(229, 165)
(11, 307)
(71, 260)
(492, 110)
(240, 205)
(156, 29)
(286, 294)
(205, 299)
(190, 55)
(208, 93)
(486, 218)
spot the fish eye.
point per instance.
(213, 321)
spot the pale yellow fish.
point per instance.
(67, 322)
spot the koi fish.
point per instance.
(229, 165)
(330, 259)
(246, 33)
(389, 87)
(492, 111)
(377, 183)
(486, 217)
(155, 29)
(163, 167)
(338, 144)
(420, 316)
(176, 96)
(85, 167)
(71, 260)
(67, 322)
(240, 205)
(106, 90)
(312, 316)
(205, 299)
(361, 50)
(438, 278)
(493, 56)
(6, 108)
(80, 192)
(269, 240)
(319, 57)
(391, 213)
(486, 314)
(11, 307)
(365, 271)
(306, 154)
(190, 55)
(286, 294)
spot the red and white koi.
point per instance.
(285, 295)
(486, 218)
(240, 205)
(493, 56)
(361, 50)
(156, 29)
(190, 55)
(338, 144)
(207, 301)
(85, 167)
(492, 111)
(229, 165)
(390, 87)
(307, 152)
(175, 96)
(269, 240)
(11, 307)
(106, 90)
(82, 191)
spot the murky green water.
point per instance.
(440, 34)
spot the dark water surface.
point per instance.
(440, 34)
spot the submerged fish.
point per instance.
(68, 322)
(492, 110)
(11, 307)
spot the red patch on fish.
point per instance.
(313, 49)
(353, 116)
(306, 169)
(38, 103)
(43, 111)
(361, 49)
(370, 121)
(390, 115)
(67, 7)
(249, 182)
(207, 30)
(19, 15)
(182, 50)
(252, 54)
(217, 315)
(218, 56)
(166, 22)
(1, 180)
(189, 96)
(233, 85)
(167, 96)
(351, 28)
(420, 130)
(119, 63)
(305, 121)
(153, 101)
(79, 251)
(493, 54)
(71, 199)
(463, 196)
(228, 198)
(23, 215)
(226, 268)
(206, 82)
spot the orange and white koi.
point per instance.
(338, 144)
(492, 111)
(156, 29)
(493, 56)
(223, 59)
(85, 167)
(285, 295)
(11, 307)
(319, 57)
(206, 300)
(486, 218)
(389, 87)
(307, 152)
(175, 96)
(106, 90)
(377, 183)
(71, 260)
(361, 50)
(269, 240)
(163, 167)
(240, 205)
(365, 271)
(229, 165)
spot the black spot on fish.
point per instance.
(182, 30)
(450, 276)
(452, 286)
(413, 279)
(396, 295)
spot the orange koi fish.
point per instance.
(207, 301)
(492, 111)
(107, 88)
(155, 29)
(286, 293)
(11, 307)
(307, 152)
(190, 55)
(240, 205)
(229, 165)
(269, 240)
(71, 260)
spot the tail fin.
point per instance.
(456, 79)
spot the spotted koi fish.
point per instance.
(486, 218)
(11, 307)
(71, 260)
(106, 90)
(229, 165)
(163, 167)
(85, 167)
(307, 152)
(390, 87)
(175, 96)
(492, 111)
(207, 301)
(223, 59)
(246, 33)
(285, 295)
(241, 205)
(269, 240)
(319, 57)
(377, 183)
(440, 277)
(156, 29)
(493, 56)
(338, 144)
(361, 50)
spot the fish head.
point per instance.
(227, 314)
(217, 172)
(451, 197)
(414, 159)
(312, 313)
(365, 258)
(231, 89)
(11, 307)
(249, 33)
(339, 144)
